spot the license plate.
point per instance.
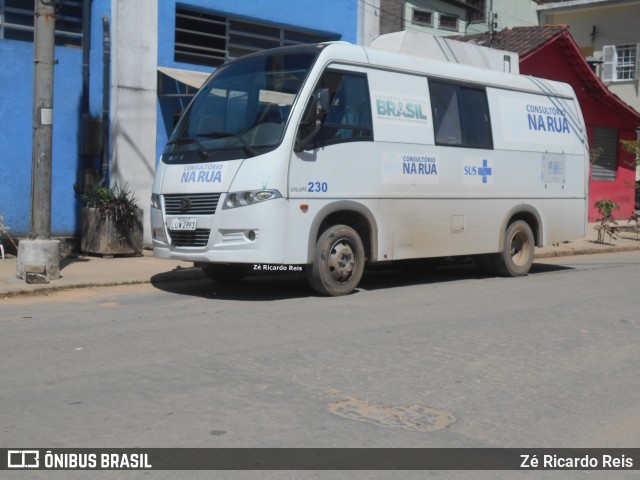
(183, 224)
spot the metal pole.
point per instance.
(106, 85)
(44, 41)
(86, 58)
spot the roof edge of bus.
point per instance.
(455, 71)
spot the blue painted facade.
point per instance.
(337, 18)
(16, 104)
(16, 101)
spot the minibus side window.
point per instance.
(446, 114)
(474, 115)
(349, 116)
(460, 115)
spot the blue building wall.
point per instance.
(337, 18)
(16, 104)
(99, 9)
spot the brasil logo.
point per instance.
(397, 109)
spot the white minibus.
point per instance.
(328, 157)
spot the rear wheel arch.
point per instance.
(528, 214)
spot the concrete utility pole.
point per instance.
(39, 256)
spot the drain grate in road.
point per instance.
(414, 417)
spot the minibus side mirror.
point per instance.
(320, 103)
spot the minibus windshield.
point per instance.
(242, 110)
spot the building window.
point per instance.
(200, 38)
(605, 144)
(460, 115)
(620, 63)
(448, 22)
(422, 17)
(17, 21)
(477, 13)
(205, 38)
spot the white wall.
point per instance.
(134, 54)
(614, 25)
(368, 21)
(511, 13)
(515, 13)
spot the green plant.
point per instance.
(594, 154)
(632, 146)
(607, 224)
(119, 202)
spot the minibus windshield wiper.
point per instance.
(202, 150)
(248, 150)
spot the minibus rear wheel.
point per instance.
(338, 262)
(519, 248)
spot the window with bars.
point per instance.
(478, 12)
(448, 22)
(17, 21)
(605, 142)
(205, 38)
(620, 63)
(422, 17)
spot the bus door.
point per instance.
(332, 158)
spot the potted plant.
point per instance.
(110, 221)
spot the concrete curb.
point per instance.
(587, 251)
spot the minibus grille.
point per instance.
(191, 204)
(193, 238)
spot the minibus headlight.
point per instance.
(263, 195)
(155, 201)
(249, 197)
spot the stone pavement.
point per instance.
(90, 271)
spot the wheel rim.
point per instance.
(520, 249)
(341, 261)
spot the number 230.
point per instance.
(317, 187)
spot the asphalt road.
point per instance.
(445, 359)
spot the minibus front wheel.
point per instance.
(338, 261)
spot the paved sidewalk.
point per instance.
(626, 240)
(90, 271)
(87, 271)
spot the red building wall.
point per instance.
(551, 62)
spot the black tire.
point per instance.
(519, 249)
(338, 261)
(225, 273)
